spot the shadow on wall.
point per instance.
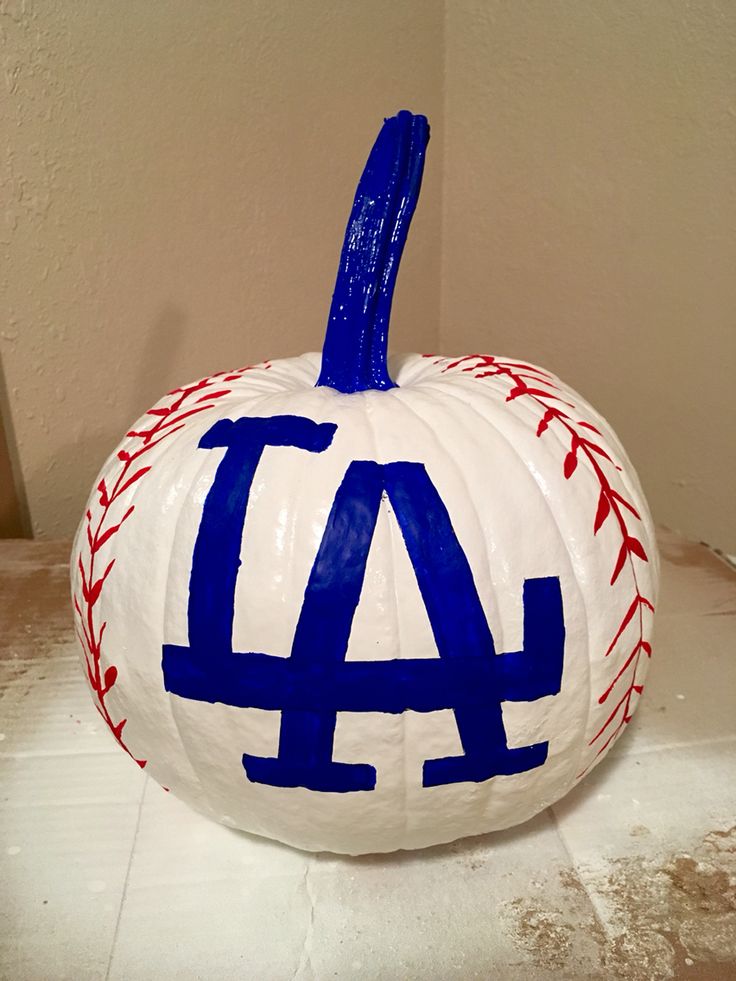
(15, 521)
(61, 477)
(162, 346)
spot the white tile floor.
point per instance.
(104, 875)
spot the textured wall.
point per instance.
(176, 184)
(589, 221)
(178, 175)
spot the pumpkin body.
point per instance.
(535, 487)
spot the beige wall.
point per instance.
(175, 193)
(179, 176)
(589, 221)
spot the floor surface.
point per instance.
(633, 875)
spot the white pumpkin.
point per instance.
(384, 617)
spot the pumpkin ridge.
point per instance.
(185, 502)
(564, 549)
(628, 542)
(91, 639)
(392, 531)
(185, 497)
(409, 402)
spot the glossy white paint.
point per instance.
(516, 516)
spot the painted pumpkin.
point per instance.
(360, 604)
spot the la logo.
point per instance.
(316, 682)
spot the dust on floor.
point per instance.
(652, 920)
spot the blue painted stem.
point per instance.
(355, 349)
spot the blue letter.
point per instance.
(316, 682)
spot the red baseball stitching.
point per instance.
(534, 383)
(169, 419)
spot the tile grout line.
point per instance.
(630, 752)
(573, 865)
(127, 877)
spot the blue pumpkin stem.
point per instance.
(354, 356)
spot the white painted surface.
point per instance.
(517, 517)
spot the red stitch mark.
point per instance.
(610, 502)
(105, 524)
